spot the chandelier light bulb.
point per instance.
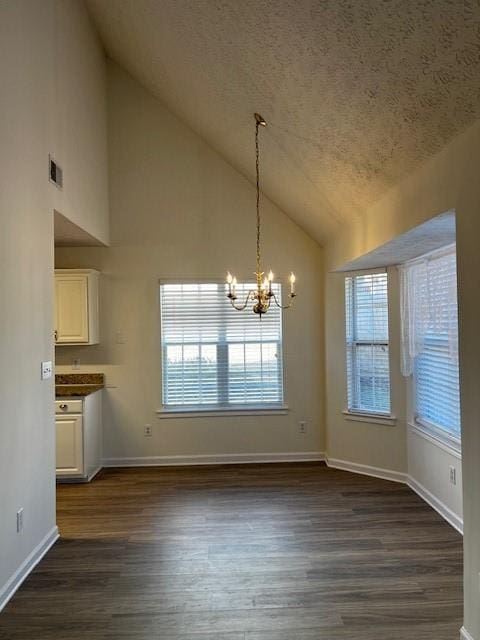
(270, 276)
(229, 278)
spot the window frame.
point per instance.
(219, 410)
(423, 427)
(357, 414)
(438, 432)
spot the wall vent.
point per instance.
(55, 173)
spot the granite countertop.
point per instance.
(78, 384)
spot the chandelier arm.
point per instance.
(286, 306)
(247, 300)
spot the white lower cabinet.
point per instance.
(78, 427)
(69, 435)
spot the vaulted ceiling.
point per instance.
(356, 93)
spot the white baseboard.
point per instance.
(464, 635)
(366, 470)
(224, 458)
(435, 503)
(307, 456)
(7, 591)
(396, 476)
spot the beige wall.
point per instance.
(79, 109)
(429, 473)
(26, 267)
(448, 181)
(178, 210)
(375, 445)
(398, 448)
(34, 71)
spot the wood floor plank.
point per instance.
(253, 552)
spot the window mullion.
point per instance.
(356, 377)
(222, 373)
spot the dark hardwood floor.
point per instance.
(257, 552)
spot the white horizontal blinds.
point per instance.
(368, 370)
(215, 355)
(436, 376)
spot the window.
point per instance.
(214, 356)
(368, 371)
(430, 340)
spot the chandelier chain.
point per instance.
(264, 295)
(257, 167)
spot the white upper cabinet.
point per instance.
(76, 306)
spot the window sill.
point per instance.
(221, 412)
(372, 418)
(448, 444)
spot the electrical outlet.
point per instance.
(453, 475)
(302, 426)
(47, 370)
(20, 520)
(147, 431)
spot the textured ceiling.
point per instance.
(356, 93)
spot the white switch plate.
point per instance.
(46, 370)
(121, 337)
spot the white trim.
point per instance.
(435, 503)
(396, 476)
(307, 456)
(78, 479)
(94, 473)
(366, 470)
(221, 412)
(446, 250)
(373, 418)
(464, 635)
(30, 562)
(363, 272)
(222, 458)
(435, 438)
(248, 279)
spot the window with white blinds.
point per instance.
(430, 331)
(215, 356)
(368, 368)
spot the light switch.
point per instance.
(121, 337)
(46, 370)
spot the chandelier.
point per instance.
(263, 295)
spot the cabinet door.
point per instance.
(69, 445)
(71, 308)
